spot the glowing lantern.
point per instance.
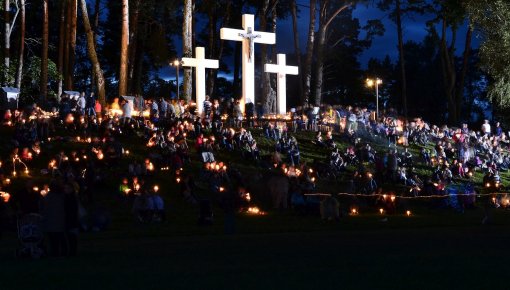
(255, 210)
(5, 196)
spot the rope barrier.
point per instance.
(410, 197)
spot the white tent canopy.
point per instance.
(72, 94)
(11, 95)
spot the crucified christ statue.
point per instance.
(250, 36)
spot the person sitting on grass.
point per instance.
(329, 141)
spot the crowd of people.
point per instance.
(377, 156)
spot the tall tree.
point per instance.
(91, 48)
(133, 42)
(297, 49)
(44, 53)
(398, 9)
(124, 45)
(325, 19)
(187, 47)
(310, 44)
(19, 70)
(401, 57)
(61, 44)
(7, 39)
(73, 13)
(97, 15)
(451, 15)
(491, 19)
(265, 85)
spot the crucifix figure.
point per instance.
(248, 37)
(200, 63)
(251, 46)
(282, 69)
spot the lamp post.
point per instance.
(376, 83)
(177, 63)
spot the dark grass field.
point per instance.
(279, 251)
(432, 249)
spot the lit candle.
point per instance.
(381, 211)
(408, 213)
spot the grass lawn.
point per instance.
(434, 248)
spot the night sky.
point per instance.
(414, 29)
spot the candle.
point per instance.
(381, 210)
(408, 213)
(156, 188)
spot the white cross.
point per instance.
(249, 37)
(282, 69)
(200, 63)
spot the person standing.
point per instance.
(90, 103)
(127, 112)
(139, 103)
(486, 128)
(498, 131)
(163, 108)
(82, 103)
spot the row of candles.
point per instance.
(354, 211)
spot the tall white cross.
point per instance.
(282, 69)
(200, 63)
(249, 37)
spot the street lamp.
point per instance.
(376, 83)
(177, 63)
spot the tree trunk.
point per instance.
(67, 40)
(124, 44)
(7, 40)
(187, 47)
(212, 14)
(449, 75)
(273, 77)
(72, 43)
(61, 44)
(95, 31)
(44, 53)
(463, 73)
(307, 69)
(133, 43)
(398, 13)
(319, 66)
(265, 78)
(91, 48)
(19, 71)
(297, 49)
